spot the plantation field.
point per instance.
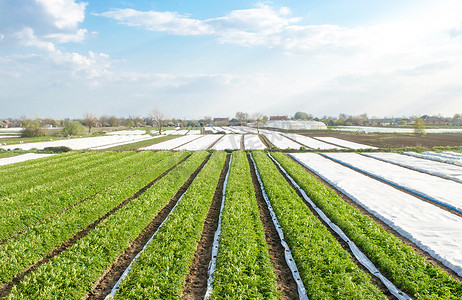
(237, 225)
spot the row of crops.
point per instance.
(129, 225)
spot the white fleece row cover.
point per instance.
(229, 141)
(432, 229)
(201, 143)
(80, 143)
(253, 142)
(443, 170)
(171, 144)
(310, 142)
(445, 157)
(281, 141)
(20, 158)
(343, 143)
(434, 188)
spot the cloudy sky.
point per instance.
(62, 58)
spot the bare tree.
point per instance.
(242, 117)
(91, 120)
(159, 119)
(259, 118)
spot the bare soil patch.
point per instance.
(394, 140)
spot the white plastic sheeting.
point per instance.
(216, 238)
(360, 256)
(343, 143)
(423, 165)
(147, 137)
(433, 229)
(297, 125)
(127, 132)
(19, 158)
(446, 157)
(80, 143)
(310, 142)
(439, 190)
(253, 142)
(281, 141)
(172, 144)
(202, 143)
(229, 141)
(175, 132)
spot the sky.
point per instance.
(190, 59)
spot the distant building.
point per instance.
(278, 118)
(433, 120)
(221, 121)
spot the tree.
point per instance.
(90, 120)
(73, 128)
(299, 115)
(206, 120)
(113, 121)
(32, 128)
(419, 127)
(259, 118)
(159, 119)
(242, 117)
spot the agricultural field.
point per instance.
(230, 225)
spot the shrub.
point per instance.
(73, 128)
(33, 128)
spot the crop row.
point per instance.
(243, 264)
(160, 271)
(20, 252)
(399, 262)
(21, 181)
(21, 212)
(327, 270)
(15, 170)
(72, 274)
(32, 187)
(18, 171)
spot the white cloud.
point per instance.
(75, 37)
(91, 65)
(171, 22)
(65, 13)
(456, 32)
(28, 38)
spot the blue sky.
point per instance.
(62, 58)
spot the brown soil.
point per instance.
(242, 142)
(265, 141)
(107, 281)
(287, 286)
(342, 243)
(196, 281)
(387, 228)
(5, 288)
(394, 140)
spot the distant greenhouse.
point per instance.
(296, 125)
